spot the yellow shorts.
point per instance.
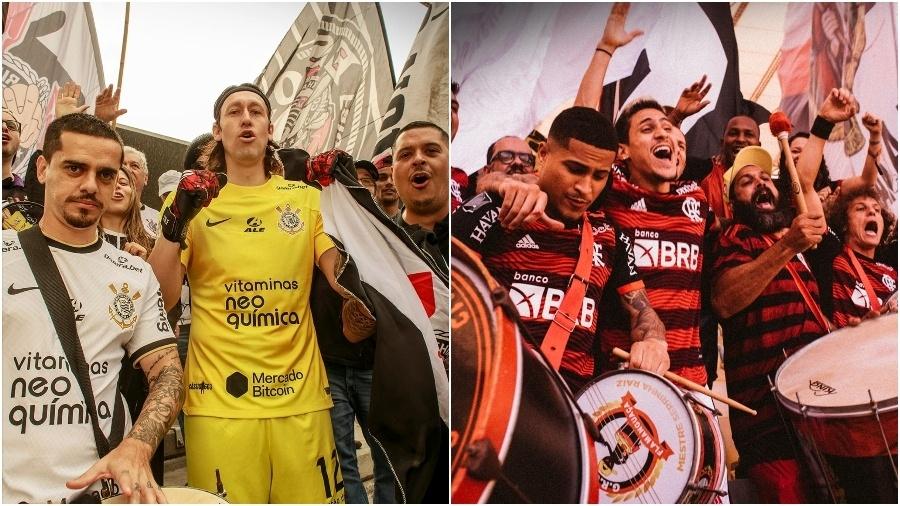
(272, 460)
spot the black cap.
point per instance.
(367, 166)
(241, 87)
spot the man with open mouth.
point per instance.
(535, 259)
(768, 300)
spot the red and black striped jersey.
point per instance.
(667, 232)
(758, 337)
(848, 294)
(535, 263)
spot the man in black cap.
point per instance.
(258, 402)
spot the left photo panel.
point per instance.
(225, 253)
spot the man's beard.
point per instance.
(764, 222)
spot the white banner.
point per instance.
(422, 91)
(520, 64)
(46, 45)
(330, 78)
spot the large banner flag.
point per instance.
(520, 64)
(408, 291)
(330, 79)
(850, 45)
(422, 90)
(46, 45)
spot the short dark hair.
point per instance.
(623, 123)
(195, 150)
(79, 123)
(412, 125)
(586, 125)
(837, 212)
(366, 166)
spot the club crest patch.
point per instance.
(289, 220)
(122, 310)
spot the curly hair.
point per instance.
(837, 212)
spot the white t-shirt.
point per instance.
(150, 217)
(47, 434)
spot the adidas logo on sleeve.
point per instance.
(527, 242)
(640, 205)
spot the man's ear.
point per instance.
(42, 169)
(217, 131)
(623, 153)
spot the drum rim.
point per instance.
(164, 488)
(885, 405)
(695, 428)
(500, 438)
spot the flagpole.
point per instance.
(770, 72)
(122, 58)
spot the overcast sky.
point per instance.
(180, 56)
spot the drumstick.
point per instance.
(780, 126)
(624, 355)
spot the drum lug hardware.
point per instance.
(500, 297)
(887, 446)
(720, 493)
(482, 463)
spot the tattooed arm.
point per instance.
(129, 463)
(649, 350)
(358, 321)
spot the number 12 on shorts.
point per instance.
(338, 485)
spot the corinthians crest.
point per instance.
(122, 309)
(289, 220)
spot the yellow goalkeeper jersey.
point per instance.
(250, 257)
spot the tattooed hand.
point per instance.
(129, 463)
(649, 350)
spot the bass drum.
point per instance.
(21, 215)
(516, 437)
(658, 444)
(177, 495)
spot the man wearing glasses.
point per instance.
(509, 155)
(13, 186)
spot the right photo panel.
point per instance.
(674, 253)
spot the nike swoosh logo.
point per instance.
(12, 290)
(214, 223)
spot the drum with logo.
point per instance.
(658, 444)
(841, 393)
(21, 215)
(177, 495)
(516, 436)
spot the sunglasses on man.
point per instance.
(13, 125)
(507, 157)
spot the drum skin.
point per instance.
(21, 215)
(505, 395)
(826, 384)
(658, 447)
(177, 495)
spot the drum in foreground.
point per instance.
(516, 437)
(657, 444)
(21, 215)
(177, 495)
(842, 389)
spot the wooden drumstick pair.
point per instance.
(624, 355)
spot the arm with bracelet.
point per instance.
(195, 191)
(614, 36)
